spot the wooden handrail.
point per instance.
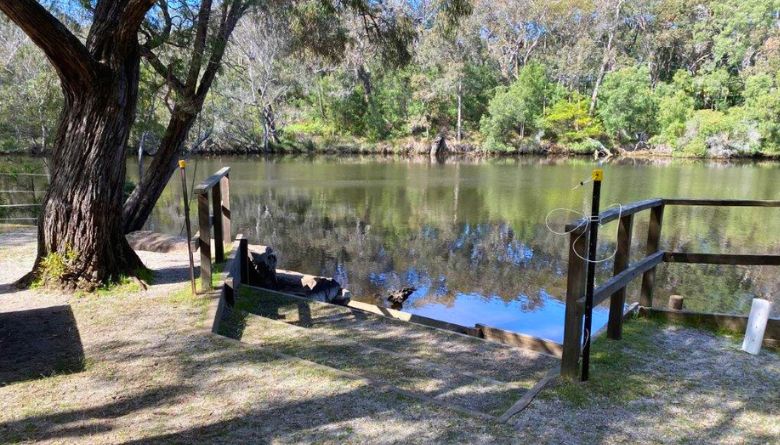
(219, 186)
(622, 279)
(624, 273)
(723, 202)
(614, 213)
(722, 258)
(211, 181)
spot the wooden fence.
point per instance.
(28, 216)
(624, 273)
(218, 218)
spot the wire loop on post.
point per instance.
(583, 221)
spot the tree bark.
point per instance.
(80, 221)
(140, 203)
(460, 110)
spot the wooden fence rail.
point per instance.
(218, 218)
(624, 273)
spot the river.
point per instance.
(470, 235)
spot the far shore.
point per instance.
(413, 147)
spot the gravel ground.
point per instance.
(152, 374)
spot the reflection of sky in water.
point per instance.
(470, 236)
(544, 321)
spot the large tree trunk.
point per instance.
(82, 210)
(140, 203)
(80, 238)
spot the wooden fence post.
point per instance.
(224, 184)
(204, 240)
(243, 258)
(575, 289)
(622, 257)
(216, 210)
(653, 244)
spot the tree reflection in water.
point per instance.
(470, 236)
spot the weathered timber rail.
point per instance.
(218, 218)
(624, 273)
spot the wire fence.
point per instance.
(20, 198)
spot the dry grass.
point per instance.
(152, 374)
(665, 384)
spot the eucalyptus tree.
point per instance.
(207, 33)
(83, 221)
(260, 57)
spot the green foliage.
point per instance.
(318, 30)
(55, 266)
(717, 89)
(762, 107)
(567, 121)
(675, 107)
(478, 83)
(516, 110)
(302, 58)
(703, 124)
(313, 127)
(30, 100)
(627, 105)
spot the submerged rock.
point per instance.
(397, 298)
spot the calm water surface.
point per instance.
(471, 235)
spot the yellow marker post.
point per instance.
(182, 166)
(597, 176)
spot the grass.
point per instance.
(609, 361)
(664, 383)
(152, 373)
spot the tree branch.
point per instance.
(199, 45)
(156, 39)
(174, 82)
(70, 58)
(227, 25)
(133, 16)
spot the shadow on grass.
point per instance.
(173, 275)
(38, 343)
(88, 420)
(664, 383)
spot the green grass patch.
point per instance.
(54, 267)
(616, 368)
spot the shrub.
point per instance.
(718, 134)
(567, 121)
(627, 105)
(675, 107)
(515, 110)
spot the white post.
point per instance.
(759, 316)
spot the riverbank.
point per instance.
(424, 147)
(467, 148)
(150, 372)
